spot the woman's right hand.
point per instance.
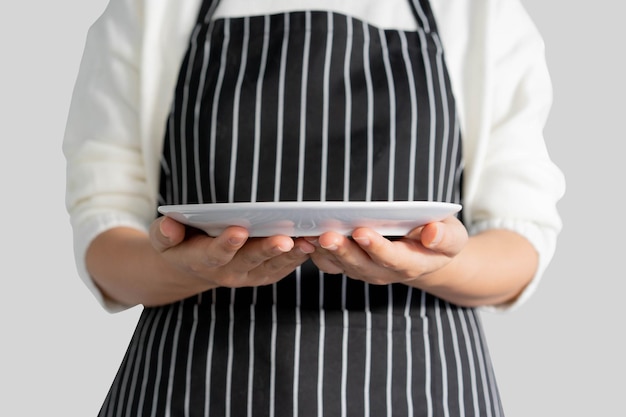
(174, 262)
(231, 259)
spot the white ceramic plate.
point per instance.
(310, 218)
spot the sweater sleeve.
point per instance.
(106, 180)
(517, 185)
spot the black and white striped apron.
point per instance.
(310, 106)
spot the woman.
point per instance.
(231, 101)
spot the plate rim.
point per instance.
(304, 205)
(400, 223)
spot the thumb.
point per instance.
(166, 233)
(447, 237)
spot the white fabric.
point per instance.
(396, 14)
(127, 76)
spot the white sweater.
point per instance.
(125, 85)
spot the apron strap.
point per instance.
(207, 9)
(424, 15)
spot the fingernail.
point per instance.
(236, 240)
(283, 248)
(162, 230)
(437, 238)
(330, 247)
(362, 241)
(306, 249)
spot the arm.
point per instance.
(511, 187)
(107, 184)
(490, 268)
(111, 146)
(493, 269)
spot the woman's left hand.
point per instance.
(372, 258)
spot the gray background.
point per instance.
(559, 355)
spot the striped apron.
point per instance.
(309, 106)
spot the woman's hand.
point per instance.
(489, 268)
(372, 258)
(174, 262)
(230, 259)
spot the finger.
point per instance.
(381, 250)
(198, 253)
(447, 237)
(280, 266)
(333, 242)
(341, 252)
(220, 250)
(326, 258)
(260, 250)
(326, 264)
(165, 233)
(394, 261)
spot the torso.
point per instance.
(314, 106)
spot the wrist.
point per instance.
(493, 268)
